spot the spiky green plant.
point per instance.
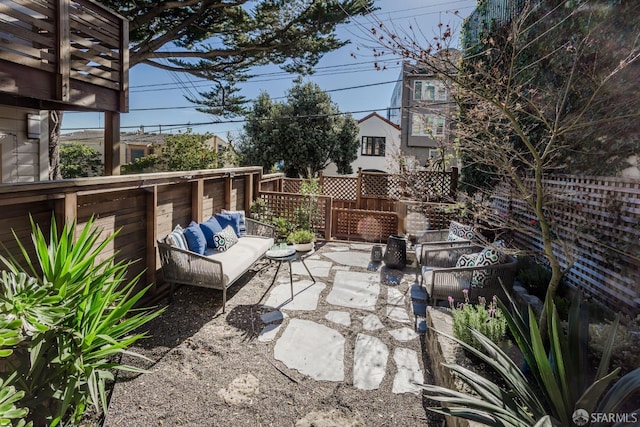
(562, 384)
(10, 413)
(81, 309)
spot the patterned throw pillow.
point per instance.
(176, 238)
(242, 223)
(487, 257)
(225, 239)
(459, 231)
(195, 238)
(467, 260)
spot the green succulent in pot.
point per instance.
(301, 239)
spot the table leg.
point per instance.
(307, 268)
(291, 279)
(272, 281)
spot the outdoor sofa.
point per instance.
(215, 269)
(448, 271)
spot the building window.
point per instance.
(429, 90)
(427, 125)
(135, 153)
(373, 146)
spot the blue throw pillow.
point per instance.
(225, 219)
(209, 228)
(242, 223)
(195, 238)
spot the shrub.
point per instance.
(300, 236)
(488, 320)
(534, 277)
(77, 317)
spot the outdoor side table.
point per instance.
(286, 254)
(395, 255)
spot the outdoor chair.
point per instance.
(447, 271)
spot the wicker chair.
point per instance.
(442, 279)
(216, 270)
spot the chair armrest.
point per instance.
(184, 266)
(445, 256)
(433, 236)
(258, 228)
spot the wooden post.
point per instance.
(228, 189)
(248, 193)
(401, 211)
(124, 66)
(152, 236)
(111, 143)
(197, 196)
(454, 184)
(70, 207)
(63, 54)
(359, 189)
(328, 218)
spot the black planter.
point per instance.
(395, 256)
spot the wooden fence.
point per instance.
(597, 219)
(145, 208)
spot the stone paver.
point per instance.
(305, 292)
(403, 334)
(372, 322)
(369, 362)
(399, 314)
(317, 268)
(355, 290)
(350, 258)
(395, 297)
(339, 317)
(273, 316)
(269, 332)
(312, 349)
(409, 372)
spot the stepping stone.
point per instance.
(339, 248)
(273, 316)
(354, 290)
(361, 247)
(331, 418)
(351, 258)
(403, 334)
(339, 317)
(395, 297)
(241, 390)
(305, 296)
(369, 362)
(317, 268)
(399, 314)
(269, 332)
(409, 371)
(312, 349)
(341, 267)
(371, 322)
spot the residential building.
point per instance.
(422, 105)
(379, 146)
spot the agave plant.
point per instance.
(80, 315)
(560, 384)
(10, 414)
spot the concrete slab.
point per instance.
(317, 268)
(369, 362)
(312, 349)
(269, 332)
(409, 372)
(399, 314)
(361, 247)
(395, 297)
(354, 290)
(339, 317)
(273, 316)
(371, 322)
(350, 258)
(341, 267)
(403, 334)
(305, 296)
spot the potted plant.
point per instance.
(301, 239)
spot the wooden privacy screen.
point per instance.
(598, 219)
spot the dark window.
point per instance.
(373, 146)
(136, 153)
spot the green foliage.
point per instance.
(146, 164)
(223, 41)
(626, 343)
(534, 277)
(300, 236)
(80, 160)
(10, 336)
(77, 314)
(188, 151)
(305, 133)
(564, 380)
(488, 320)
(283, 228)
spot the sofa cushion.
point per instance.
(195, 238)
(242, 223)
(225, 219)
(209, 228)
(241, 256)
(176, 238)
(459, 231)
(487, 257)
(225, 239)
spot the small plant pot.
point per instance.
(303, 247)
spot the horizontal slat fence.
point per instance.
(144, 207)
(598, 219)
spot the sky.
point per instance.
(157, 97)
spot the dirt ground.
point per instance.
(208, 369)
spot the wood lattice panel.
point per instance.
(287, 206)
(340, 188)
(371, 226)
(598, 218)
(292, 185)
